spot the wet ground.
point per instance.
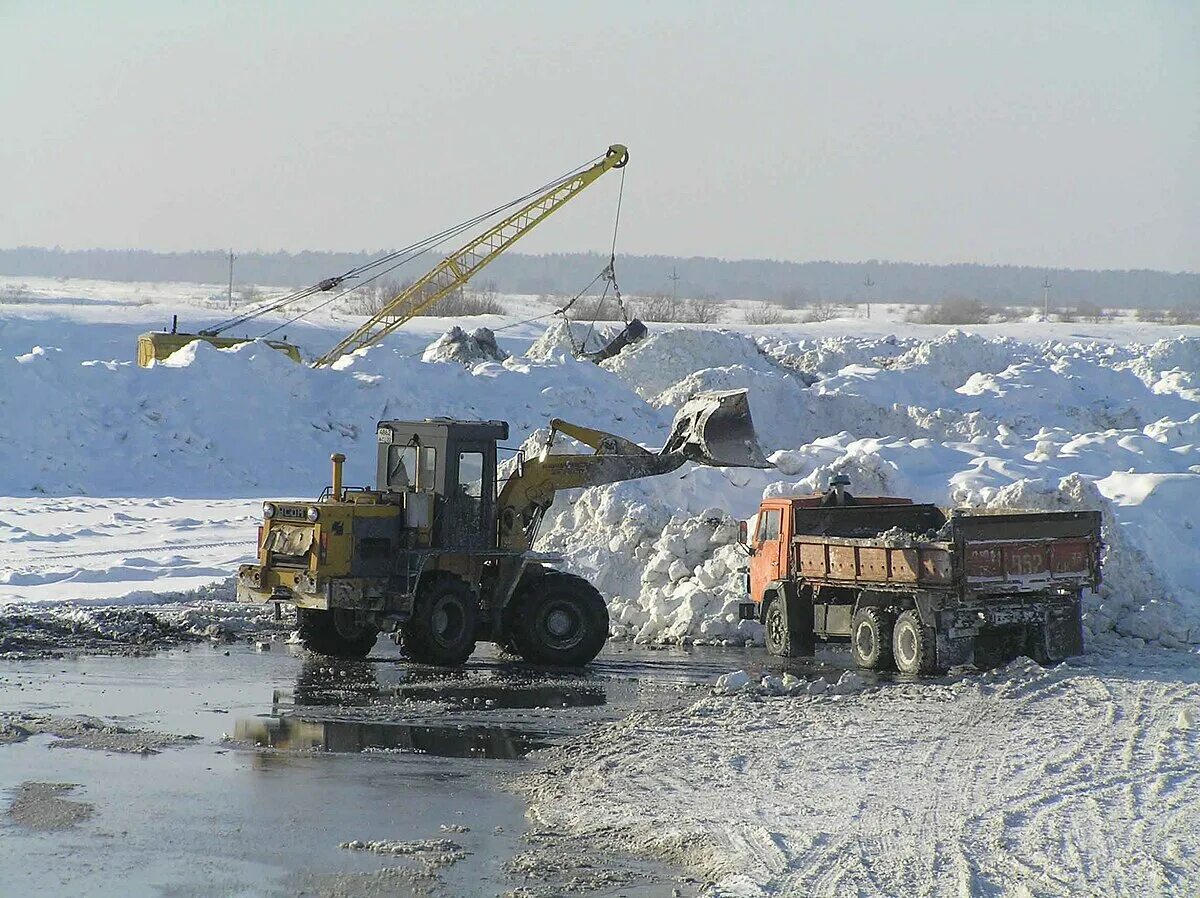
(312, 776)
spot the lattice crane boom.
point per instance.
(460, 266)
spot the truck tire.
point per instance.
(871, 639)
(340, 633)
(914, 645)
(778, 634)
(557, 619)
(441, 630)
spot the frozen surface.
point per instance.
(1022, 782)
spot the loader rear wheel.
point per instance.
(558, 619)
(871, 639)
(914, 645)
(339, 633)
(442, 627)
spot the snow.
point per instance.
(121, 485)
(1043, 414)
(778, 786)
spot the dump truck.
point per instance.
(440, 551)
(918, 588)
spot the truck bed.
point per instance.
(979, 552)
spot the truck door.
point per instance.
(770, 551)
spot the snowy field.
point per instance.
(1077, 780)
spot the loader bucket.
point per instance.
(715, 429)
(631, 333)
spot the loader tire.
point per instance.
(442, 628)
(914, 645)
(871, 639)
(558, 619)
(339, 633)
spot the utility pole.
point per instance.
(1046, 285)
(231, 258)
(673, 277)
(868, 283)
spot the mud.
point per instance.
(87, 732)
(40, 806)
(66, 630)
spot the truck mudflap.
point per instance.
(1062, 634)
(1046, 631)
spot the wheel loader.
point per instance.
(440, 552)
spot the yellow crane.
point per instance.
(443, 279)
(459, 267)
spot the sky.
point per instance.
(1049, 134)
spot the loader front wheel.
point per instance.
(339, 633)
(442, 627)
(558, 619)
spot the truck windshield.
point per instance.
(768, 527)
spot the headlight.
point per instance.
(313, 514)
(268, 510)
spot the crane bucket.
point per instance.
(715, 429)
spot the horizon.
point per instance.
(224, 251)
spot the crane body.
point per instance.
(449, 275)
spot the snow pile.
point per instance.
(690, 586)
(1067, 427)
(562, 338)
(830, 355)
(662, 360)
(456, 345)
(958, 419)
(740, 682)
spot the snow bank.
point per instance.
(958, 419)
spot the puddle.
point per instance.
(353, 737)
(327, 683)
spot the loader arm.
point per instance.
(710, 429)
(461, 265)
(530, 491)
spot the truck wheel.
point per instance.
(914, 645)
(442, 627)
(558, 619)
(871, 639)
(340, 633)
(779, 637)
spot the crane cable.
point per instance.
(609, 274)
(408, 253)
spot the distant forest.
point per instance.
(791, 283)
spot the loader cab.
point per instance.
(445, 470)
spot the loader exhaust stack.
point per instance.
(337, 458)
(716, 429)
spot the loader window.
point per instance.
(768, 525)
(470, 474)
(412, 467)
(402, 467)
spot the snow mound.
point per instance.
(562, 338)
(664, 359)
(456, 345)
